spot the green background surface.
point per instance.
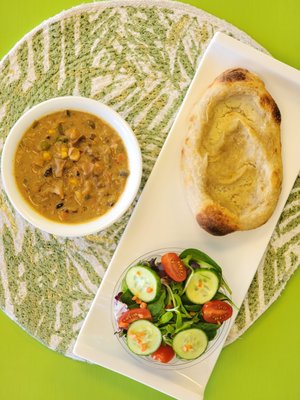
(264, 363)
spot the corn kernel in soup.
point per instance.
(71, 166)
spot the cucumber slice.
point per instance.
(202, 286)
(143, 282)
(143, 337)
(190, 344)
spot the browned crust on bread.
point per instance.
(233, 75)
(268, 103)
(214, 221)
(242, 74)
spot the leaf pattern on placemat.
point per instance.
(140, 60)
(280, 261)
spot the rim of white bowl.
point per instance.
(80, 104)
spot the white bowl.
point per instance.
(80, 104)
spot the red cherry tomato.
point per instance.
(164, 353)
(174, 267)
(132, 315)
(216, 311)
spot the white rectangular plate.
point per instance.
(163, 219)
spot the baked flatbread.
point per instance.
(231, 158)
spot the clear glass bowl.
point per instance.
(175, 363)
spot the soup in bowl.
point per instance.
(71, 166)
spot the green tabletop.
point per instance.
(263, 363)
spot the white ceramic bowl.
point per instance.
(80, 104)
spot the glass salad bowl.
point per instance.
(157, 300)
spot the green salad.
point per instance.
(172, 305)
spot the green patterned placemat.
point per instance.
(138, 57)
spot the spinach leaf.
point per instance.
(209, 329)
(126, 298)
(158, 307)
(193, 307)
(134, 305)
(186, 300)
(222, 296)
(200, 258)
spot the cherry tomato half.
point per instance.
(164, 353)
(216, 311)
(174, 267)
(132, 315)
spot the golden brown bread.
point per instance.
(231, 158)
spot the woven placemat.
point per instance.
(138, 57)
